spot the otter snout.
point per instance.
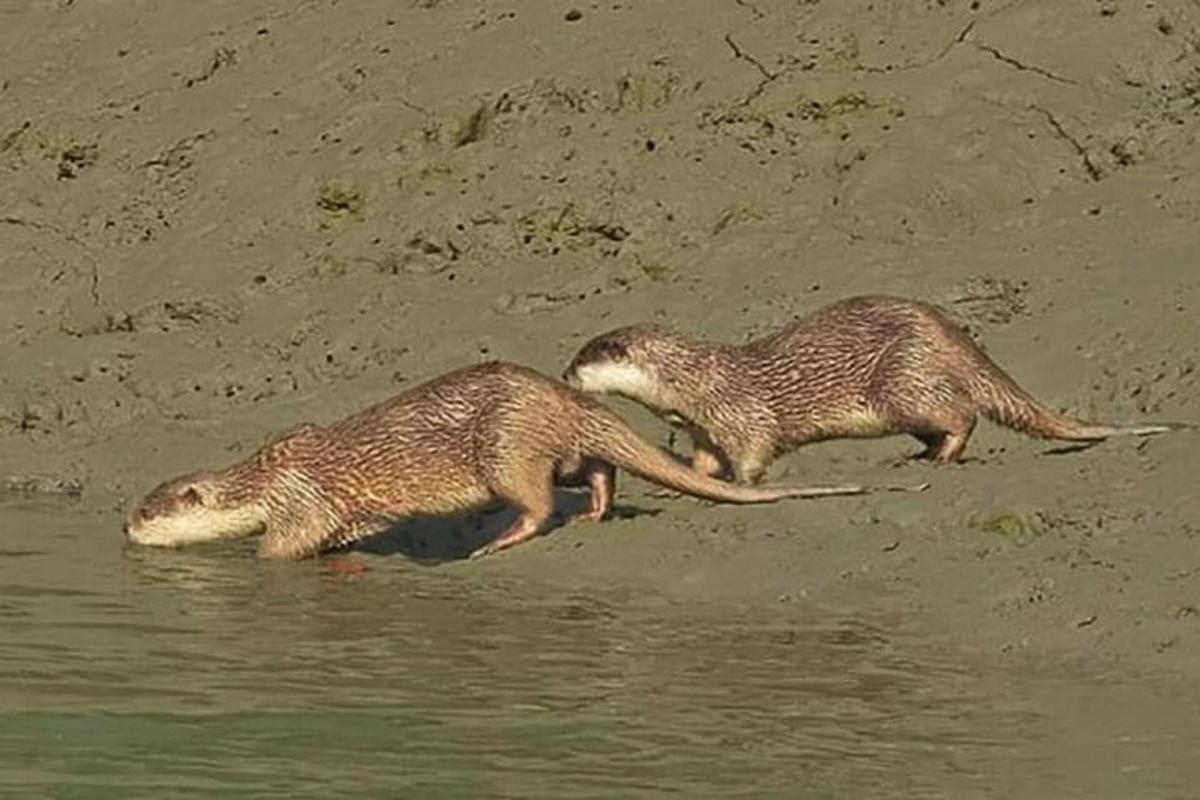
(130, 523)
(609, 377)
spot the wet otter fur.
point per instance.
(862, 367)
(494, 430)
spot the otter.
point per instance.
(863, 367)
(490, 431)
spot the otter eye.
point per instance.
(610, 351)
(191, 496)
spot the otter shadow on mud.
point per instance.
(433, 540)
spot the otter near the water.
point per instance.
(863, 367)
(494, 430)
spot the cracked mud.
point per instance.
(219, 220)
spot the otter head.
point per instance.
(190, 509)
(625, 362)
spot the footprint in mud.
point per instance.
(996, 301)
(533, 302)
(55, 485)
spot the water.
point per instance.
(137, 673)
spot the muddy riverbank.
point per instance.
(221, 219)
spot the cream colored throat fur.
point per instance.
(627, 380)
(200, 524)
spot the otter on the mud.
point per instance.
(494, 430)
(863, 367)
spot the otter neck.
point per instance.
(245, 487)
(689, 371)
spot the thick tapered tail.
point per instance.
(607, 437)
(1001, 400)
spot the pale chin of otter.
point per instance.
(609, 377)
(195, 525)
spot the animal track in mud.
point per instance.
(989, 300)
(39, 410)
(163, 182)
(793, 127)
(492, 117)
(423, 254)
(1038, 592)
(533, 302)
(35, 483)
(175, 314)
(222, 57)
(1151, 387)
(75, 159)
(164, 316)
(198, 394)
(171, 167)
(549, 231)
(641, 90)
(544, 232)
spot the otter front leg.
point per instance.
(303, 528)
(750, 461)
(299, 540)
(707, 457)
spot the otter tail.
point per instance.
(606, 436)
(1001, 400)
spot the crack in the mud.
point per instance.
(411, 106)
(768, 78)
(742, 55)
(1089, 166)
(959, 38)
(753, 9)
(94, 287)
(1022, 66)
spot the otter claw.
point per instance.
(480, 552)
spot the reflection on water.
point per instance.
(128, 673)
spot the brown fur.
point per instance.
(862, 367)
(494, 430)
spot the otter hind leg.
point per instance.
(944, 438)
(936, 409)
(954, 442)
(529, 487)
(933, 443)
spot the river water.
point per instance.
(139, 673)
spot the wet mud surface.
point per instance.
(220, 219)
